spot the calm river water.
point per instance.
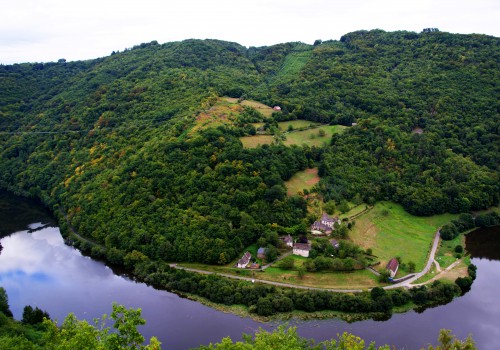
(38, 269)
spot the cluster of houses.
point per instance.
(325, 225)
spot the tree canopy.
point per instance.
(111, 143)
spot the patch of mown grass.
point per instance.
(390, 232)
(428, 276)
(302, 180)
(355, 210)
(361, 279)
(297, 124)
(313, 137)
(317, 136)
(257, 140)
(446, 254)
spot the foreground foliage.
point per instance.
(287, 339)
(79, 334)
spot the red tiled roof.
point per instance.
(393, 264)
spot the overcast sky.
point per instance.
(46, 30)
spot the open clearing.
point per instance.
(262, 108)
(392, 232)
(302, 180)
(219, 114)
(257, 140)
(361, 279)
(297, 124)
(310, 137)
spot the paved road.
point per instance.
(253, 280)
(458, 261)
(408, 283)
(279, 258)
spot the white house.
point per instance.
(245, 259)
(301, 249)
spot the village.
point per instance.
(322, 229)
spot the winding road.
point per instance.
(406, 281)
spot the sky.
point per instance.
(47, 30)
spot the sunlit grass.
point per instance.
(390, 232)
(302, 180)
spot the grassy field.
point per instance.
(296, 124)
(311, 137)
(355, 210)
(303, 179)
(293, 63)
(230, 99)
(221, 113)
(262, 108)
(361, 279)
(445, 255)
(391, 232)
(255, 141)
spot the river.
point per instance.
(38, 269)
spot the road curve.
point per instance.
(406, 283)
(430, 261)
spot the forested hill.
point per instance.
(111, 141)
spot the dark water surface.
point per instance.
(38, 269)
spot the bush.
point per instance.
(449, 231)
(287, 263)
(464, 283)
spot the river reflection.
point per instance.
(40, 270)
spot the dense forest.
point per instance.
(108, 144)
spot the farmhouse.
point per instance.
(245, 259)
(301, 249)
(288, 240)
(324, 225)
(393, 266)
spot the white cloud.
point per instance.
(45, 30)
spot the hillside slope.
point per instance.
(109, 140)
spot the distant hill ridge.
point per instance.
(130, 174)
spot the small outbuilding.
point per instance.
(288, 240)
(261, 253)
(393, 266)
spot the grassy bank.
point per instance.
(390, 232)
(302, 180)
